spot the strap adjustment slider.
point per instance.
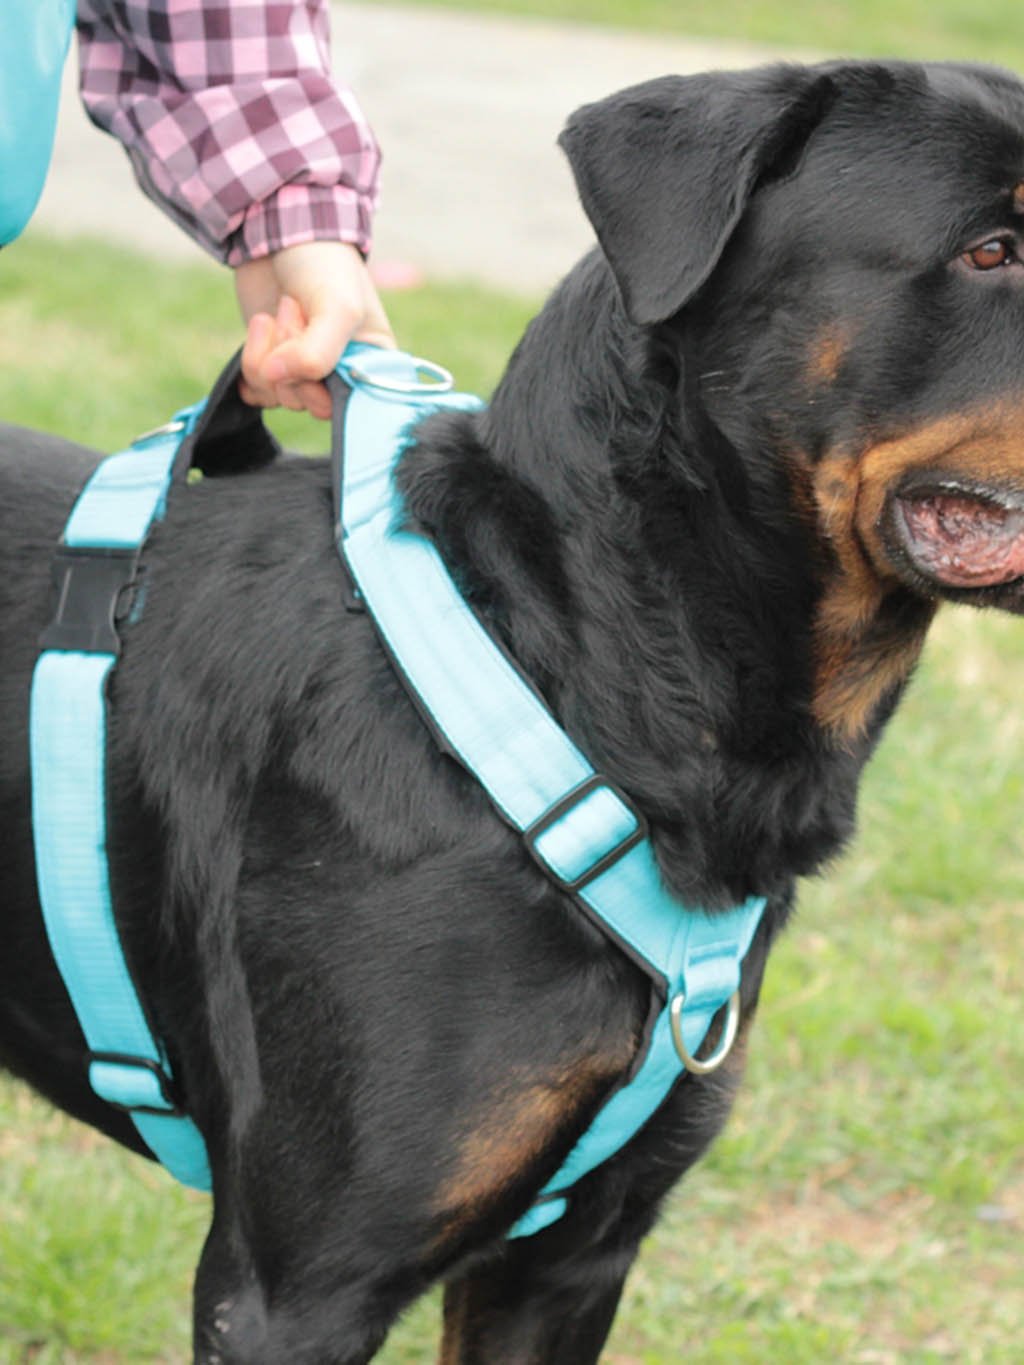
(584, 833)
(135, 1085)
(90, 582)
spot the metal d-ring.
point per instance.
(170, 428)
(436, 378)
(729, 1030)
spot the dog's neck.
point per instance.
(655, 589)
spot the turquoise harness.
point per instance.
(580, 829)
(96, 561)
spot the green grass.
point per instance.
(909, 28)
(95, 1249)
(99, 345)
(866, 1203)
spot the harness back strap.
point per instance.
(585, 833)
(95, 562)
(96, 566)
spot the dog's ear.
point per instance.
(665, 170)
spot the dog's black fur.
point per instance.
(681, 515)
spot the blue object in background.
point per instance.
(34, 40)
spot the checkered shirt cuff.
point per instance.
(231, 119)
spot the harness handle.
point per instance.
(229, 436)
(386, 375)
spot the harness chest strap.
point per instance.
(583, 832)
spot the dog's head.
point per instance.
(845, 246)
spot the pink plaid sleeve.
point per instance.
(231, 119)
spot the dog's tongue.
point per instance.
(965, 542)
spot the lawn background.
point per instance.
(992, 32)
(867, 1201)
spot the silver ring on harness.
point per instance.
(434, 378)
(729, 1030)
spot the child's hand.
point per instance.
(303, 305)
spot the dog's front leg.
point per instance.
(246, 1314)
(534, 1307)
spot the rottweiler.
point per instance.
(741, 456)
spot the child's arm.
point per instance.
(236, 128)
(302, 306)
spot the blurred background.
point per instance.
(866, 1204)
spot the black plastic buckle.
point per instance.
(90, 583)
(565, 804)
(167, 1087)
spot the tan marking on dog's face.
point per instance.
(827, 354)
(857, 663)
(986, 446)
(1018, 198)
(853, 676)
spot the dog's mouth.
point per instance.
(959, 535)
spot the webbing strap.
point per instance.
(584, 832)
(68, 740)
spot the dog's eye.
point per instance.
(990, 255)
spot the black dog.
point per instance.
(733, 467)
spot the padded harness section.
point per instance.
(583, 831)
